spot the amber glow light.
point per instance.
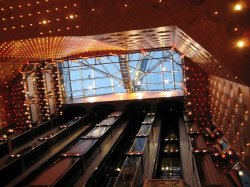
(37, 47)
(241, 44)
(238, 7)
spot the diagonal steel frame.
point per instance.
(86, 64)
(153, 67)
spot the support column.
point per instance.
(189, 171)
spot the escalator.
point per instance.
(109, 169)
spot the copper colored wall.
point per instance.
(3, 113)
(16, 104)
(12, 105)
(197, 100)
(230, 104)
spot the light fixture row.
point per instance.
(21, 6)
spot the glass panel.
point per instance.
(178, 86)
(154, 78)
(158, 68)
(77, 94)
(152, 70)
(107, 122)
(113, 59)
(144, 130)
(143, 87)
(103, 82)
(101, 68)
(77, 85)
(178, 76)
(176, 66)
(149, 118)
(154, 87)
(170, 167)
(169, 86)
(138, 145)
(111, 68)
(91, 61)
(89, 92)
(74, 75)
(87, 73)
(167, 66)
(168, 77)
(128, 172)
(73, 64)
(81, 147)
(119, 89)
(88, 84)
(96, 132)
(102, 91)
(98, 75)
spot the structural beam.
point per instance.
(86, 64)
(140, 71)
(123, 60)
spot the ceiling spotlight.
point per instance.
(159, 3)
(235, 29)
(44, 22)
(238, 7)
(215, 13)
(241, 173)
(241, 44)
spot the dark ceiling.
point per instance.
(212, 24)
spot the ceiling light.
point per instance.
(241, 43)
(241, 173)
(238, 7)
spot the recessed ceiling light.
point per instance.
(241, 43)
(238, 7)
